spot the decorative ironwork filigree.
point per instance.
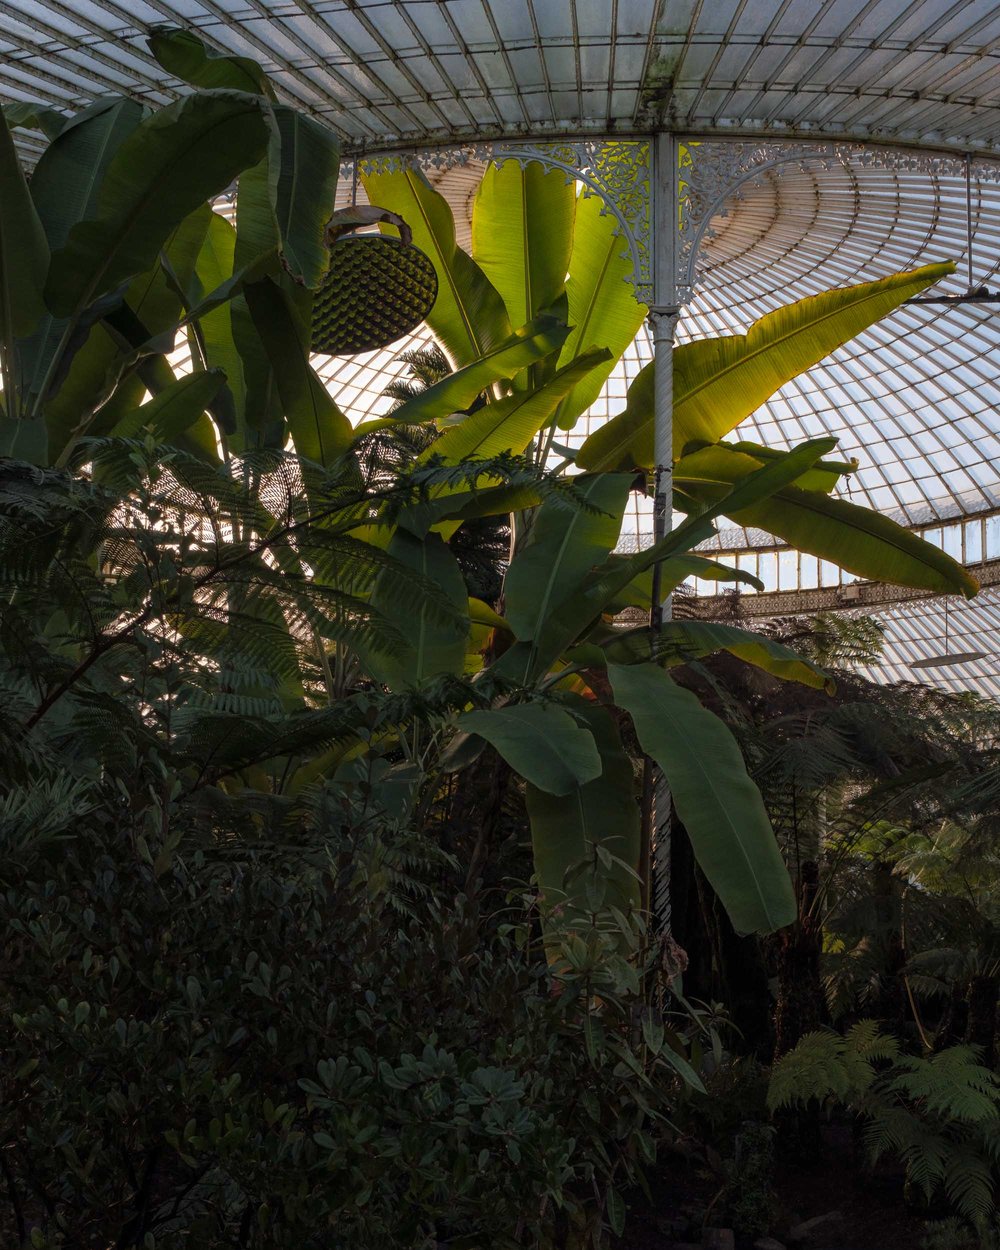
(715, 173)
(617, 170)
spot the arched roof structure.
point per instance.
(889, 111)
(391, 72)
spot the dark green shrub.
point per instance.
(310, 1042)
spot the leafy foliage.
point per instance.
(300, 1038)
(937, 1114)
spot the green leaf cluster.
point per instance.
(938, 1114)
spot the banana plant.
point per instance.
(570, 680)
(538, 248)
(564, 583)
(719, 382)
(112, 251)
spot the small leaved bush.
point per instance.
(307, 1038)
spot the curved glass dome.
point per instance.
(916, 399)
(393, 72)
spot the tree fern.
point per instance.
(950, 1084)
(938, 1114)
(826, 1066)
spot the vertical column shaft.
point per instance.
(663, 323)
(663, 315)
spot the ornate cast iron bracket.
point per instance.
(619, 171)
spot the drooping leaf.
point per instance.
(678, 642)
(603, 310)
(286, 201)
(469, 316)
(24, 252)
(319, 430)
(720, 381)
(565, 828)
(510, 424)
(522, 235)
(27, 115)
(177, 415)
(566, 541)
(857, 539)
(541, 742)
(435, 634)
(172, 163)
(184, 55)
(454, 393)
(716, 801)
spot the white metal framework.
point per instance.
(386, 72)
(825, 142)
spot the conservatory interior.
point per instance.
(500, 560)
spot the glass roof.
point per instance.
(919, 630)
(386, 72)
(916, 399)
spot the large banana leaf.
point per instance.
(603, 813)
(602, 309)
(172, 163)
(522, 235)
(24, 256)
(542, 743)
(64, 188)
(318, 428)
(720, 381)
(82, 380)
(857, 539)
(183, 54)
(457, 391)
(435, 634)
(468, 317)
(177, 415)
(679, 642)
(718, 804)
(286, 201)
(510, 424)
(565, 543)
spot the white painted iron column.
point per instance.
(663, 314)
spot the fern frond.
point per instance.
(950, 1084)
(969, 1183)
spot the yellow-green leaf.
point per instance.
(522, 234)
(720, 381)
(603, 310)
(468, 317)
